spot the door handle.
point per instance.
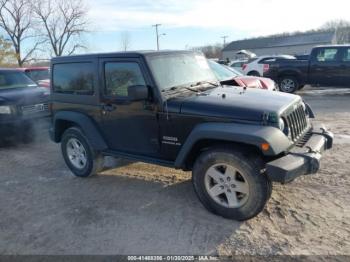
(108, 107)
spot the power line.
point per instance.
(224, 37)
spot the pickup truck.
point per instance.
(22, 103)
(327, 66)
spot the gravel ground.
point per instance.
(145, 209)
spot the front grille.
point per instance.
(297, 123)
(32, 109)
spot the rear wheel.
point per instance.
(253, 73)
(78, 154)
(288, 84)
(229, 184)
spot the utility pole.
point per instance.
(224, 37)
(157, 35)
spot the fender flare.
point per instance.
(233, 132)
(86, 124)
(294, 72)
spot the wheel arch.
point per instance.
(253, 73)
(64, 119)
(203, 145)
(291, 73)
(248, 137)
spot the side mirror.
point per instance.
(137, 92)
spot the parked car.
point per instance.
(40, 75)
(259, 65)
(327, 66)
(22, 102)
(238, 65)
(44, 83)
(168, 108)
(229, 76)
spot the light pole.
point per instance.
(157, 34)
(224, 37)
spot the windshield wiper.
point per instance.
(191, 89)
(178, 88)
(206, 82)
(173, 88)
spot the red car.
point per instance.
(229, 76)
(40, 74)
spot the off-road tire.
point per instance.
(260, 187)
(95, 159)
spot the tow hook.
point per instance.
(310, 150)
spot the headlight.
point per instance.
(5, 110)
(281, 124)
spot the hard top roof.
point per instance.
(121, 54)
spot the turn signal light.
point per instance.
(265, 146)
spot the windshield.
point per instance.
(221, 72)
(40, 74)
(13, 79)
(235, 71)
(174, 70)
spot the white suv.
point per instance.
(257, 66)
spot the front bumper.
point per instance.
(301, 160)
(20, 124)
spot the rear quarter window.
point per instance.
(73, 78)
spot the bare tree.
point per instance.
(210, 51)
(333, 24)
(16, 20)
(64, 22)
(341, 29)
(7, 54)
(125, 42)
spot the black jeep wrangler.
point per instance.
(168, 108)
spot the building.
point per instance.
(291, 44)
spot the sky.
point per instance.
(191, 23)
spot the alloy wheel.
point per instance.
(76, 153)
(227, 185)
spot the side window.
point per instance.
(120, 75)
(238, 64)
(327, 55)
(73, 78)
(346, 56)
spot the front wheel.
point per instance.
(78, 154)
(288, 84)
(231, 185)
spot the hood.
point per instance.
(23, 96)
(234, 103)
(256, 82)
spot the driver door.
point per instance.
(128, 126)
